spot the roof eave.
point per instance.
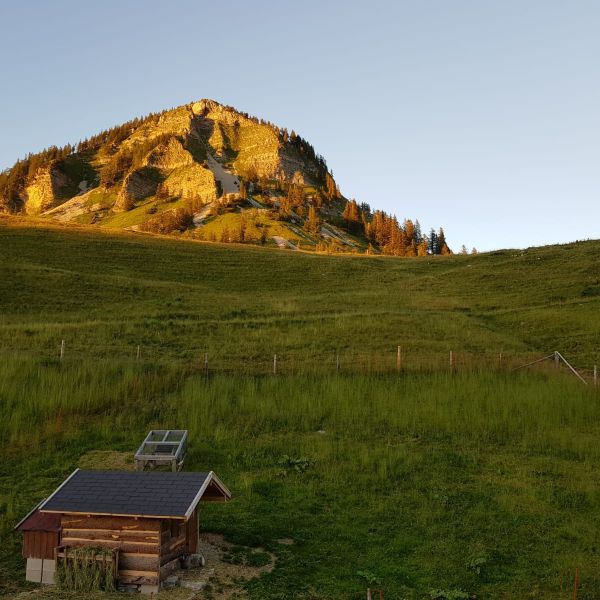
(211, 478)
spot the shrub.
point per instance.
(179, 219)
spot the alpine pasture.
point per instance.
(427, 482)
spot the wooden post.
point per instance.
(274, 364)
(206, 364)
(576, 583)
(451, 360)
(337, 363)
(399, 359)
(62, 349)
(556, 360)
(595, 375)
(369, 594)
(137, 356)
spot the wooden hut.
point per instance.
(150, 520)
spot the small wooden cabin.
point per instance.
(150, 518)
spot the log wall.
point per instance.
(172, 540)
(138, 541)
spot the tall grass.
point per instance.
(502, 408)
(415, 478)
(482, 480)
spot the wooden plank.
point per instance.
(52, 540)
(174, 543)
(138, 561)
(143, 547)
(106, 522)
(171, 555)
(125, 531)
(108, 514)
(112, 534)
(138, 579)
(168, 568)
(191, 534)
(135, 573)
(39, 544)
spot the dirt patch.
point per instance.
(227, 568)
(286, 541)
(107, 460)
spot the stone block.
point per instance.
(49, 565)
(171, 581)
(193, 561)
(149, 589)
(33, 571)
(193, 585)
(48, 577)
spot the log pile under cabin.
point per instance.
(150, 520)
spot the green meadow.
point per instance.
(473, 482)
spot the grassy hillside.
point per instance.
(482, 482)
(106, 294)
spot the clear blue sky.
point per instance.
(482, 116)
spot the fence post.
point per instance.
(138, 353)
(62, 349)
(595, 375)
(451, 360)
(337, 363)
(556, 360)
(206, 364)
(274, 364)
(399, 359)
(576, 583)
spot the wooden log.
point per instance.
(168, 568)
(112, 534)
(138, 577)
(138, 561)
(171, 555)
(105, 522)
(170, 551)
(136, 573)
(172, 544)
(144, 547)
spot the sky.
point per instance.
(476, 115)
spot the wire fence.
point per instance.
(289, 362)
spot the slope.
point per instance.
(205, 171)
(430, 485)
(106, 294)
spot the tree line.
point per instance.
(389, 235)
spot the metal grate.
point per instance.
(162, 447)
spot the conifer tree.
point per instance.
(330, 187)
(313, 222)
(433, 242)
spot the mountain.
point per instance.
(206, 171)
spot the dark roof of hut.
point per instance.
(133, 493)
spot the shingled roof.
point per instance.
(133, 493)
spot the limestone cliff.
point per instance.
(46, 189)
